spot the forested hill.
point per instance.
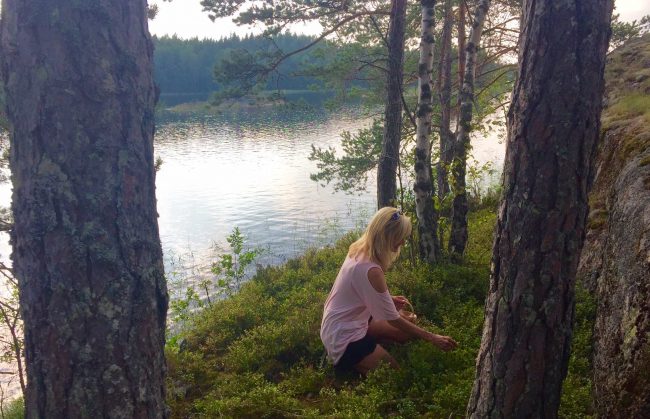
(187, 66)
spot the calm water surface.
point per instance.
(251, 170)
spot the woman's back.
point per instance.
(349, 306)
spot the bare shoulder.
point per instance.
(377, 279)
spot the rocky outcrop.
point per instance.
(615, 263)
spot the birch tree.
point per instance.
(458, 234)
(423, 187)
(86, 250)
(553, 129)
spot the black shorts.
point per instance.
(355, 352)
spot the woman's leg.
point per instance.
(372, 361)
(384, 332)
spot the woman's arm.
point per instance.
(445, 343)
(378, 282)
(400, 301)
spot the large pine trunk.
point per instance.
(458, 233)
(389, 159)
(423, 187)
(553, 128)
(86, 250)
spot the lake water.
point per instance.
(251, 170)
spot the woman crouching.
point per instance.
(360, 311)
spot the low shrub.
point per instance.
(258, 353)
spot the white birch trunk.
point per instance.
(424, 206)
(458, 235)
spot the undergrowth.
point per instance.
(258, 353)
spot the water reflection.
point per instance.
(250, 169)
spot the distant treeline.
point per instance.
(187, 66)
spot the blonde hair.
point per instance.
(387, 228)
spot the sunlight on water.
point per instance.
(251, 170)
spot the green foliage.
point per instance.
(623, 31)
(350, 75)
(349, 173)
(258, 352)
(232, 267)
(14, 409)
(227, 275)
(577, 399)
(183, 66)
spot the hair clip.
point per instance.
(396, 216)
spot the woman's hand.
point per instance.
(400, 301)
(445, 343)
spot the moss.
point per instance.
(645, 161)
(626, 121)
(596, 224)
(634, 144)
(597, 219)
(632, 105)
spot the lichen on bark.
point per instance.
(86, 249)
(615, 262)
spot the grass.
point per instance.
(258, 354)
(14, 409)
(630, 106)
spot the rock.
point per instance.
(615, 262)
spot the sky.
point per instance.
(186, 19)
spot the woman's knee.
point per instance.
(373, 360)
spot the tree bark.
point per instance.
(446, 136)
(553, 128)
(387, 166)
(423, 187)
(458, 233)
(462, 40)
(86, 249)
